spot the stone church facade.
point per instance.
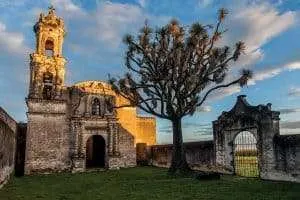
(74, 128)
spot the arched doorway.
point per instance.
(245, 155)
(95, 152)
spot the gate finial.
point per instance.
(242, 96)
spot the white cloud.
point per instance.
(261, 23)
(68, 9)
(294, 92)
(12, 3)
(204, 109)
(293, 65)
(11, 42)
(66, 5)
(109, 23)
(205, 3)
(289, 127)
(221, 93)
(289, 110)
(289, 131)
(271, 72)
(255, 24)
(248, 59)
(114, 19)
(264, 74)
(142, 3)
(258, 76)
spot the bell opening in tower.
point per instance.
(49, 46)
(48, 85)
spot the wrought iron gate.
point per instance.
(245, 155)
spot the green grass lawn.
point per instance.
(143, 183)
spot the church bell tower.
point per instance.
(47, 136)
(47, 64)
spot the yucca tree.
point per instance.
(171, 72)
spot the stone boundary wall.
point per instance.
(287, 159)
(200, 155)
(8, 129)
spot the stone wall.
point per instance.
(127, 157)
(20, 149)
(8, 128)
(287, 158)
(278, 155)
(200, 155)
(47, 141)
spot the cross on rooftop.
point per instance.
(51, 8)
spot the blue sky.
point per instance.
(93, 48)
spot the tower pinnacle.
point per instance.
(47, 64)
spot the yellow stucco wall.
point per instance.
(143, 128)
(146, 128)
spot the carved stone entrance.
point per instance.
(95, 152)
(245, 155)
(262, 122)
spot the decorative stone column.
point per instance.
(57, 86)
(110, 134)
(116, 150)
(80, 139)
(36, 87)
(39, 84)
(86, 107)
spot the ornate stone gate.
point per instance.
(260, 120)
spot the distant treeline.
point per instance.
(248, 152)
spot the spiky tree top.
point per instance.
(171, 71)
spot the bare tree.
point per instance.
(171, 72)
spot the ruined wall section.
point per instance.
(8, 128)
(47, 140)
(200, 155)
(287, 158)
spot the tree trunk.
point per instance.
(179, 163)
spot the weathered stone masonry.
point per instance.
(64, 121)
(200, 155)
(8, 128)
(278, 155)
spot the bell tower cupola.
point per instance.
(47, 64)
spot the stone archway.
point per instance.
(260, 120)
(245, 154)
(95, 152)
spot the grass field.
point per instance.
(246, 166)
(143, 184)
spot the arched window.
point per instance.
(96, 107)
(48, 85)
(49, 48)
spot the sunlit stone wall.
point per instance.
(141, 127)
